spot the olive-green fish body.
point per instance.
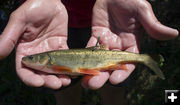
(86, 61)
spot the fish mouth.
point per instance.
(24, 60)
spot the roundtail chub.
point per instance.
(88, 61)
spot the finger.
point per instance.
(107, 38)
(85, 81)
(51, 81)
(29, 78)
(26, 74)
(92, 41)
(104, 33)
(152, 25)
(119, 76)
(65, 80)
(10, 35)
(95, 82)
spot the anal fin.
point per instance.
(123, 66)
(117, 67)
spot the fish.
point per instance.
(87, 61)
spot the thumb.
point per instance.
(152, 25)
(92, 41)
(11, 34)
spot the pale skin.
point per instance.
(39, 26)
(36, 26)
(120, 22)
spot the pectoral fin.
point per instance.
(61, 68)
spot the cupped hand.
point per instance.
(36, 26)
(119, 23)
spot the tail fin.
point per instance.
(148, 61)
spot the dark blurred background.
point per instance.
(145, 88)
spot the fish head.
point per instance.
(36, 61)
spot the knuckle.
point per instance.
(144, 5)
(13, 15)
(17, 15)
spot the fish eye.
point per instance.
(30, 57)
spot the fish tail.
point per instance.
(148, 61)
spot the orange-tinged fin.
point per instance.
(123, 66)
(103, 47)
(89, 71)
(61, 68)
(115, 67)
(86, 80)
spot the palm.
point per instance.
(45, 30)
(118, 27)
(119, 30)
(118, 22)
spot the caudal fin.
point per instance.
(148, 61)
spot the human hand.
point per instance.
(36, 26)
(119, 24)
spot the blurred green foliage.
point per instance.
(144, 89)
(90, 97)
